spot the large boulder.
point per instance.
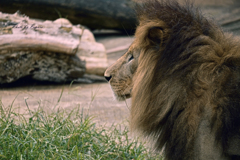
(47, 50)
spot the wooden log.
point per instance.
(46, 43)
(47, 50)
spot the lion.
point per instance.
(182, 73)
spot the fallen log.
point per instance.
(95, 14)
(47, 50)
(18, 42)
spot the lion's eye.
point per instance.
(130, 58)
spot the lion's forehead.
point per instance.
(134, 50)
(133, 46)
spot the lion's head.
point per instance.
(121, 73)
(183, 74)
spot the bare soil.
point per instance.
(95, 100)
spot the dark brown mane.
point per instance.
(185, 23)
(195, 72)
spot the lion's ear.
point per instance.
(155, 36)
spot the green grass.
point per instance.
(61, 135)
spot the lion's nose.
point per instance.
(108, 78)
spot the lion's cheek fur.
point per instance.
(122, 86)
(141, 92)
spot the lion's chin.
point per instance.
(120, 96)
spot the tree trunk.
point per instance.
(95, 14)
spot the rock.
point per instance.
(51, 51)
(95, 14)
(41, 65)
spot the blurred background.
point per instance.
(117, 14)
(71, 45)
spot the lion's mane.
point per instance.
(193, 69)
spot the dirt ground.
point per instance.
(96, 99)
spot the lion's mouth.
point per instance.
(128, 96)
(123, 97)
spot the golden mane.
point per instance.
(190, 72)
